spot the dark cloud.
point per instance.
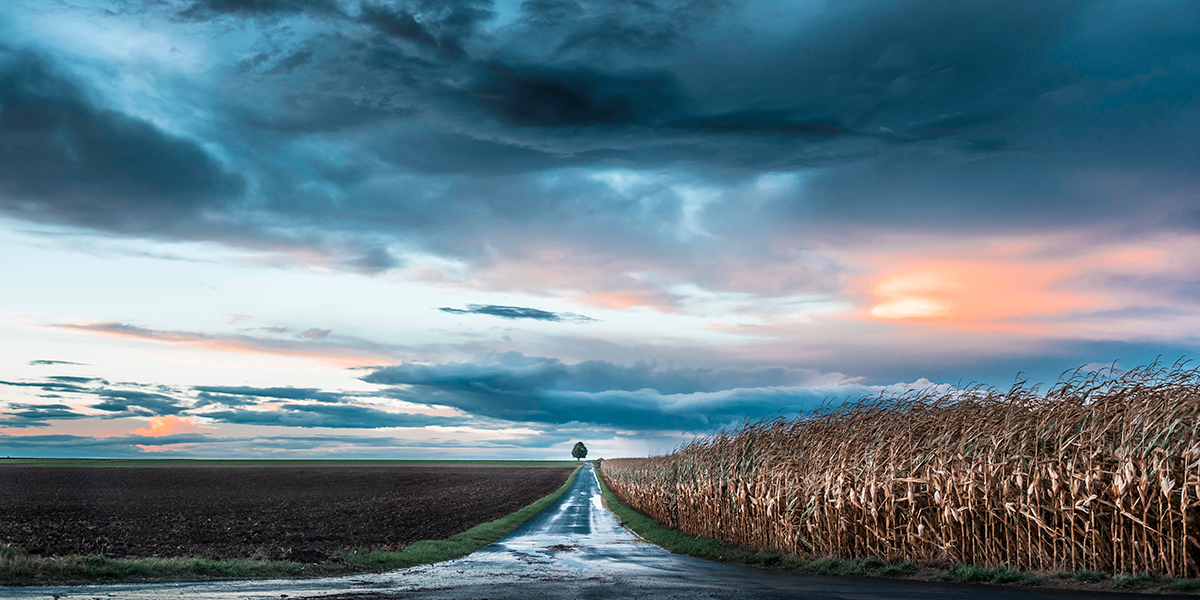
(204, 10)
(283, 393)
(73, 379)
(966, 196)
(36, 415)
(409, 124)
(398, 23)
(36, 363)
(550, 13)
(74, 444)
(293, 61)
(326, 415)
(64, 159)
(430, 24)
(635, 38)
(600, 30)
(210, 399)
(539, 96)
(642, 396)
(133, 403)
(50, 386)
(302, 407)
(852, 85)
(763, 123)
(517, 312)
(345, 446)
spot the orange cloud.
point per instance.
(920, 294)
(1034, 285)
(173, 447)
(623, 300)
(168, 425)
(978, 294)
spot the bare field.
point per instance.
(300, 512)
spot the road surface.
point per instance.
(574, 549)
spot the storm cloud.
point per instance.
(128, 403)
(36, 415)
(848, 90)
(64, 159)
(203, 10)
(884, 102)
(516, 387)
(276, 393)
(339, 416)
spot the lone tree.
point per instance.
(579, 451)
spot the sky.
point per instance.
(490, 229)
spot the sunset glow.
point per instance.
(168, 425)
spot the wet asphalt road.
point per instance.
(574, 549)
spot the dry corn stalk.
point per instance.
(1102, 472)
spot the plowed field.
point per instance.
(301, 513)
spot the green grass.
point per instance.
(20, 567)
(1185, 585)
(976, 574)
(1087, 576)
(156, 462)
(1129, 582)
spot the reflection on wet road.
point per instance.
(574, 549)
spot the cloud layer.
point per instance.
(516, 387)
(512, 222)
(629, 127)
(244, 405)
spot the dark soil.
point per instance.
(300, 513)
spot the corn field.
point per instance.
(1101, 472)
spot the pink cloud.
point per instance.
(617, 279)
(168, 425)
(171, 448)
(1040, 285)
(352, 353)
(978, 294)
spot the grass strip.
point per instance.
(977, 574)
(712, 549)
(20, 567)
